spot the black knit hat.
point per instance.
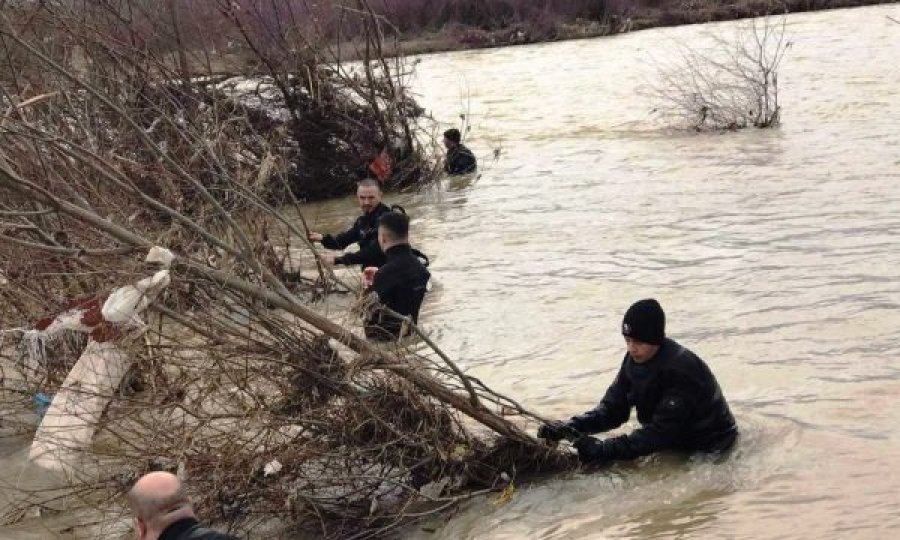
(645, 321)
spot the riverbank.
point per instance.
(454, 37)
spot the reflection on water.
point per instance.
(775, 253)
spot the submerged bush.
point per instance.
(732, 85)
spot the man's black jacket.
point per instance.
(460, 160)
(679, 405)
(400, 285)
(190, 529)
(365, 233)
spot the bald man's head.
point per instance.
(157, 500)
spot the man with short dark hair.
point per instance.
(460, 160)
(400, 284)
(678, 400)
(364, 231)
(163, 511)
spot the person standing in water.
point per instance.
(460, 160)
(679, 402)
(400, 284)
(364, 231)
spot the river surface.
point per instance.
(776, 254)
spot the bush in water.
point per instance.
(731, 85)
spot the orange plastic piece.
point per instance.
(382, 167)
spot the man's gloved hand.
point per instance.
(554, 431)
(590, 450)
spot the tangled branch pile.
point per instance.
(280, 418)
(276, 102)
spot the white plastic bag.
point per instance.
(127, 302)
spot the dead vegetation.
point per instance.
(731, 84)
(281, 104)
(279, 418)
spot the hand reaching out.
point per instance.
(369, 275)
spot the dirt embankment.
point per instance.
(456, 36)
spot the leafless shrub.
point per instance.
(731, 85)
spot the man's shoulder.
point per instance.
(190, 529)
(381, 210)
(421, 271)
(672, 351)
(416, 265)
(401, 270)
(685, 367)
(405, 264)
(375, 214)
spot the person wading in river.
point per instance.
(363, 232)
(678, 400)
(163, 511)
(399, 284)
(460, 160)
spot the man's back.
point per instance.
(460, 160)
(400, 285)
(678, 373)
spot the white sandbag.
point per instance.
(71, 420)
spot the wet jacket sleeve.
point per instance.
(342, 240)
(612, 412)
(367, 255)
(669, 421)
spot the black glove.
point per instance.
(590, 450)
(554, 431)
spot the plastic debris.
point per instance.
(272, 467)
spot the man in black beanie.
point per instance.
(678, 400)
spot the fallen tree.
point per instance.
(279, 418)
